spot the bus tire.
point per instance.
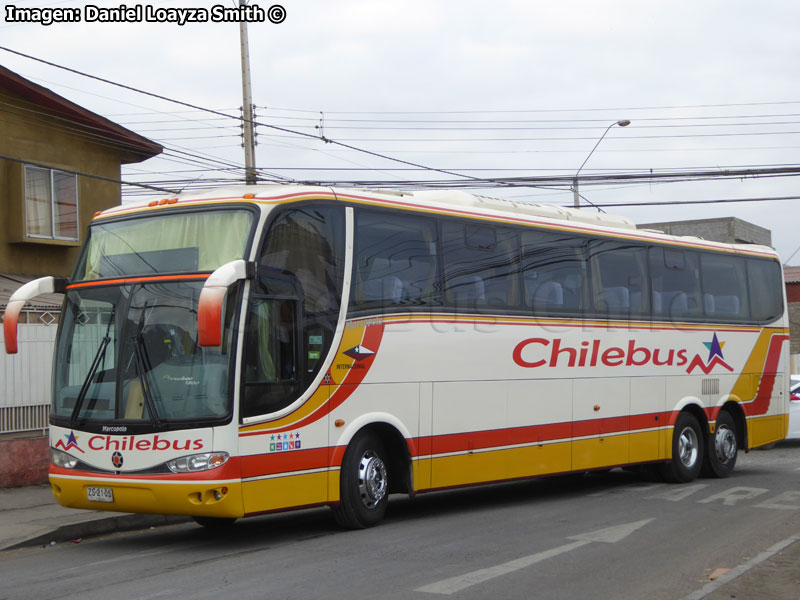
(363, 483)
(214, 523)
(720, 458)
(687, 451)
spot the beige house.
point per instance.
(59, 164)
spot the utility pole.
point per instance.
(247, 107)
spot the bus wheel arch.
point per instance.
(688, 446)
(375, 464)
(723, 444)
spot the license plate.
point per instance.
(99, 494)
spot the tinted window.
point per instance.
(766, 289)
(294, 309)
(675, 291)
(308, 243)
(724, 286)
(553, 272)
(480, 266)
(619, 278)
(271, 377)
(396, 261)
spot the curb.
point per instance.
(96, 527)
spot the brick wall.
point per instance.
(794, 327)
(23, 461)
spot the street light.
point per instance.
(576, 195)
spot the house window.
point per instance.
(51, 204)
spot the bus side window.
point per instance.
(766, 289)
(724, 286)
(308, 242)
(480, 266)
(674, 285)
(396, 263)
(553, 272)
(619, 278)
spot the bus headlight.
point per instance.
(197, 462)
(62, 459)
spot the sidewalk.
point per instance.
(30, 516)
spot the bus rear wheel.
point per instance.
(687, 451)
(722, 449)
(364, 484)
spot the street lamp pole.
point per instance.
(576, 198)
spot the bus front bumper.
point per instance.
(206, 498)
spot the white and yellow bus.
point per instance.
(256, 349)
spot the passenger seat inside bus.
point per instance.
(670, 303)
(723, 304)
(547, 296)
(467, 291)
(617, 298)
(387, 289)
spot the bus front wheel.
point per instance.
(722, 448)
(687, 450)
(364, 484)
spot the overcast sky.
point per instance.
(485, 89)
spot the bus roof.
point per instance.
(454, 202)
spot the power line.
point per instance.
(535, 110)
(683, 202)
(84, 131)
(212, 111)
(89, 175)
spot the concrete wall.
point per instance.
(729, 230)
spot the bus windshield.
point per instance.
(129, 354)
(168, 243)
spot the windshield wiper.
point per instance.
(140, 354)
(99, 357)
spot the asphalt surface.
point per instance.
(461, 551)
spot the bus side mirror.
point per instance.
(209, 308)
(43, 285)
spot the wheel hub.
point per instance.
(725, 444)
(688, 447)
(372, 480)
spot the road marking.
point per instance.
(160, 594)
(776, 502)
(675, 494)
(732, 496)
(741, 569)
(609, 535)
(633, 487)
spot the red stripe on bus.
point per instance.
(289, 461)
(372, 340)
(145, 279)
(760, 404)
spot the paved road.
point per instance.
(616, 535)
